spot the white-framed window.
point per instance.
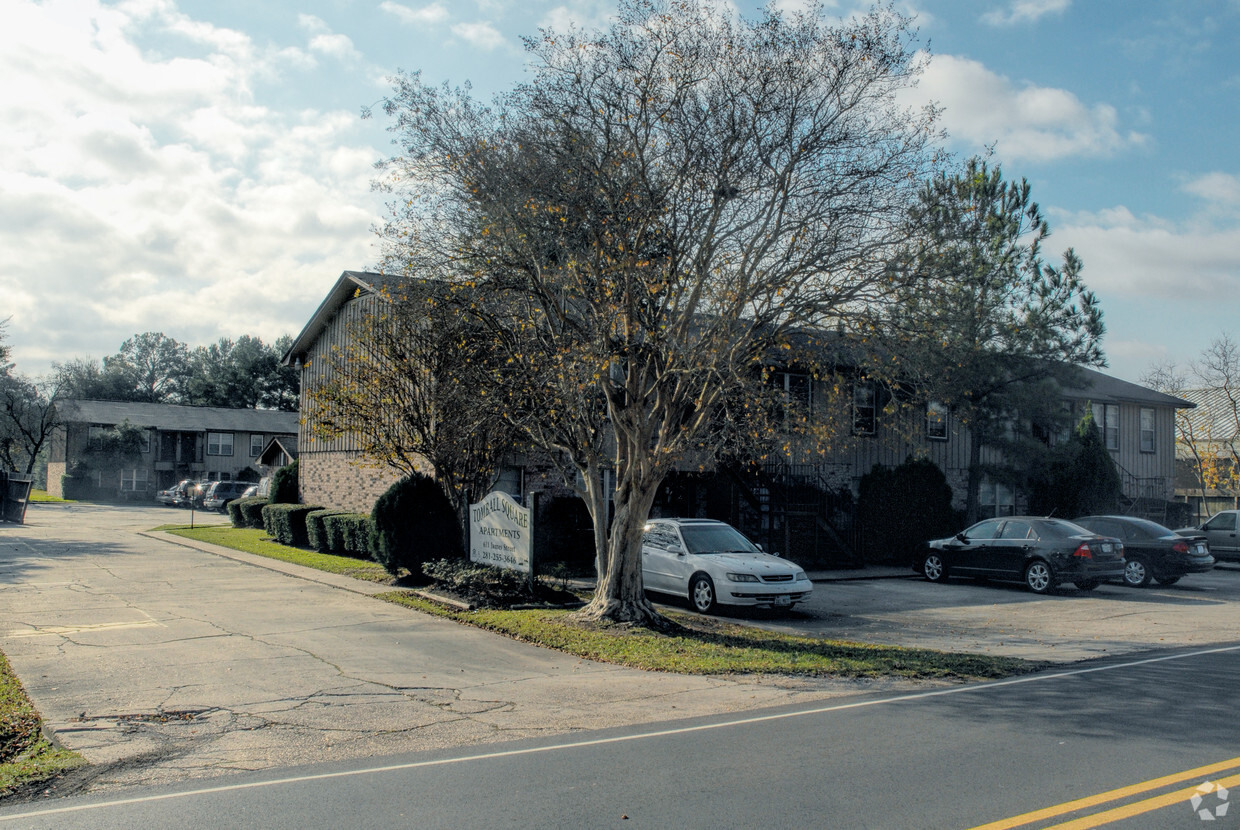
(936, 421)
(996, 499)
(219, 443)
(256, 445)
(94, 437)
(1148, 420)
(798, 386)
(1106, 416)
(134, 479)
(865, 408)
(146, 440)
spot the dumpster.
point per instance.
(14, 495)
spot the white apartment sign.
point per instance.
(499, 533)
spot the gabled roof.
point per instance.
(345, 289)
(282, 444)
(1215, 418)
(1102, 388)
(173, 417)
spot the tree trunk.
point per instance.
(972, 507)
(619, 595)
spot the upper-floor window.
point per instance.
(1106, 416)
(219, 443)
(936, 421)
(1147, 430)
(865, 408)
(256, 445)
(146, 440)
(94, 437)
(796, 386)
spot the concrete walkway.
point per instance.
(162, 661)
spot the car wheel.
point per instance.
(1137, 573)
(702, 594)
(1167, 580)
(1087, 584)
(934, 568)
(1039, 578)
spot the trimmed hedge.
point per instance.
(316, 533)
(286, 523)
(236, 512)
(413, 523)
(252, 511)
(348, 534)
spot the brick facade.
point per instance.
(341, 481)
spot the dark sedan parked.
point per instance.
(1043, 553)
(1152, 551)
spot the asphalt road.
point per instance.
(1122, 743)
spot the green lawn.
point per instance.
(694, 645)
(42, 497)
(27, 759)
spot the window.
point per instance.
(661, 536)
(796, 386)
(996, 499)
(146, 440)
(1147, 430)
(94, 437)
(133, 480)
(1017, 530)
(1223, 521)
(1106, 416)
(984, 530)
(510, 481)
(256, 446)
(865, 412)
(936, 421)
(219, 443)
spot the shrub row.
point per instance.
(286, 523)
(349, 534)
(247, 512)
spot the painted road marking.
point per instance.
(1197, 774)
(640, 736)
(1140, 807)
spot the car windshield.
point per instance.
(715, 539)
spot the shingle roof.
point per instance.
(1106, 388)
(1215, 418)
(178, 418)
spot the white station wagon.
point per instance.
(712, 562)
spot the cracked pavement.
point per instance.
(161, 662)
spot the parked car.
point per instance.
(711, 563)
(1041, 552)
(1152, 551)
(1220, 533)
(173, 494)
(249, 492)
(220, 493)
(191, 495)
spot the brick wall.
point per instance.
(340, 481)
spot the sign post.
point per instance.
(500, 533)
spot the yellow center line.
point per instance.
(1113, 795)
(1139, 807)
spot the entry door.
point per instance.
(658, 561)
(971, 555)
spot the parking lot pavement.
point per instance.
(1005, 619)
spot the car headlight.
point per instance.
(742, 578)
(801, 577)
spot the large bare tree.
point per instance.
(646, 219)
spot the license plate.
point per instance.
(1201, 549)
(782, 600)
(1107, 547)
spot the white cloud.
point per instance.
(482, 35)
(1024, 121)
(430, 15)
(154, 192)
(594, 14)
(1217, 189)
(1025, 11)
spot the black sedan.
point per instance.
(1151, 550)
(1043, 553)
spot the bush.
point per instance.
(236, 511)
(316, 531)
(1079, 477)
(286, 523)
(284, 486)
(252, 512)
(348, 534)
(413, 523)
(492, 587)
(900, 508)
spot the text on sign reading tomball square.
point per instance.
(499, 533)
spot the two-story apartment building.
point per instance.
(797, 505)
(174, 443)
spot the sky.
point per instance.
(201, 167)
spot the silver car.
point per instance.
(710, 562)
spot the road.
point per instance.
(1122, 743)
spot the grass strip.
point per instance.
(27, 759)
(696, 645)
(257, 542)
(43, 497)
